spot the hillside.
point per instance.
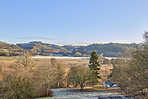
(70, 47)
(9, 49)
(108, 50)
(37, 47)
(40, 48)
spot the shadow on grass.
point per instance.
(95, 90)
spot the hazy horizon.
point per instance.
(73, 43)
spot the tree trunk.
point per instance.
(75, 85)
(82, 87)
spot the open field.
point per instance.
(4, 58)
(59, 57)
(66, 62)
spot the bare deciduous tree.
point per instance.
(131, 73)
(81, 76)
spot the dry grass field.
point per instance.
(5, 62)
(4, 58)
(65, 62)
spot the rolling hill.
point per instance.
(37, 47)
(10, 49)
(40, 48)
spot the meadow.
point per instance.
(66, 62)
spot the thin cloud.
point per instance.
(43, 38)
(121, 41)
(3, 34)
(85, 43)
(34, 37)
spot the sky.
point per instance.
(73, 21)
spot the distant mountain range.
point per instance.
(39, 48)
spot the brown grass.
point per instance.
(104, 69)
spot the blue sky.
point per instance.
(73, 21)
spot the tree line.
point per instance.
(131, 70)
(108, 50)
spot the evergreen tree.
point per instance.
(94, 64)
(145, 36)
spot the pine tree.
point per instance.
(94, 64)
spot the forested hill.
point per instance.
(34, 48)
(108, 50)
(9, 49)
(39, 48)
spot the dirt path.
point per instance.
(74, 93)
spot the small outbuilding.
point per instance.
(110, 83)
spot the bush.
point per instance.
(17, 85)
(46, 93)
(23, 82)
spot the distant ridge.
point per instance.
(40, 48)
(37, 47)
(10, 49)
